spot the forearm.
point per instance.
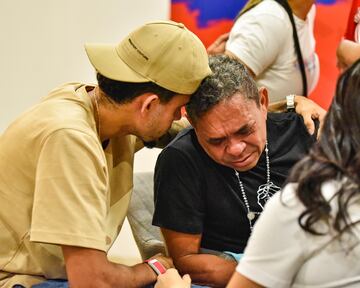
(206, 269)
(279, 106)
(347, 53)
(117, 275)
(90, 268)
(138, 275)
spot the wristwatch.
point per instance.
(156, 266)
(290, 103)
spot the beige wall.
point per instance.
(42, 43)
(42, 47)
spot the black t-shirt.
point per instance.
(196, 195)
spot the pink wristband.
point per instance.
(156, 266)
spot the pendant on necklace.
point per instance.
(250, 215)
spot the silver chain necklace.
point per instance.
(264, 191)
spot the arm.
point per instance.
(90, 268)
(232, 55)
(347, 53)
(180, 206)
(218, 46)
(204, 269)
(77, 218)
(251, 41)
(305, 107)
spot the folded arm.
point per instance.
(204, 269)
(347, 53)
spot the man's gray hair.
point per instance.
(229, 77)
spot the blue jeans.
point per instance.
(64, 284)
(192, 286)
(52, 284)
(48, 284)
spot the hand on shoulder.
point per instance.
(310, 111)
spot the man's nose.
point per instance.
(235, 147)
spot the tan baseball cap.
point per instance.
(164, 52)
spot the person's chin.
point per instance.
(244, 164)
(149, 144)
(150, 141)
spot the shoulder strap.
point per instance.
(249, 5)
(252, 3)
(287, 8)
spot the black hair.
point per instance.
(336, 156)
(229, 77)
(123, 92)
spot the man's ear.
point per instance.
(263, 99)
(148, 101)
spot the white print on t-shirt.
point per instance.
(265, 191)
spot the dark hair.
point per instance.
(229, 77)
(336, 156)
(122, 92)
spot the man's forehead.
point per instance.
(215, 128)
(227, 119)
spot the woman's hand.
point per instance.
(172, 279)
(218, 46)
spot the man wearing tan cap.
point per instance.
(66, 164)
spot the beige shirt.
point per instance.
(58, 186)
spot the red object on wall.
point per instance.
(330, 24)
(181, 13)
(350, 29)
